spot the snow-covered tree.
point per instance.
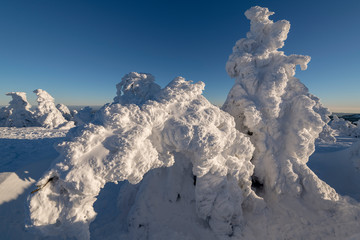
(64, 111)
(17, 113)
(210, 170)
(344, 127)
(194, 164)
(83, 116)
(46, 113)
(282, 120)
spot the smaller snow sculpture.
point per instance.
(46, 113)
(83, 116)
(344, 127)
(64, 111)
(136, 88)
(18, 113)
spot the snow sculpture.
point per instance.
(46, 113)
(64, 111)
(178, 126)
(83, 116)
(136, 88)
(282, 120)
(344, 127)
(18, 113)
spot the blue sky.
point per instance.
(78, 50)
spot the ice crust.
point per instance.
(194, 171)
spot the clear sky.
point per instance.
(79, 50)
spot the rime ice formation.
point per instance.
(18, 113)
(64, 111)
(282, 120)
(209, 177)
(136, 88)
(47, 114)
(344, 127)
(83, 116)
(196, 175)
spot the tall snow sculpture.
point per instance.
(18, 113)
(46, 113)
(204, 179)
(283, 120)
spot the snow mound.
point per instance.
(17, 113)
(175, 126)
(47, 114)
(283, 120)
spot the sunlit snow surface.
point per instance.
(26, 153)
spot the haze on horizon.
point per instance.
(78, 51)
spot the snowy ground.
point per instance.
(26, 153)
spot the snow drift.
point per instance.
(199, 172)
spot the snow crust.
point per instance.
(17, 113)
(179, 125)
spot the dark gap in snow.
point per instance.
(250, 133)
(257, 185)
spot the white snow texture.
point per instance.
(19, 114)
(200, 172)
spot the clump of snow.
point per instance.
(17, 113)
(282, 120)
(64, 111)
(47, 114)
(344, 127)
(327, 135)
(136, 88)
(177, 126)
(83, 116)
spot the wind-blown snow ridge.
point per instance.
(178, 125)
